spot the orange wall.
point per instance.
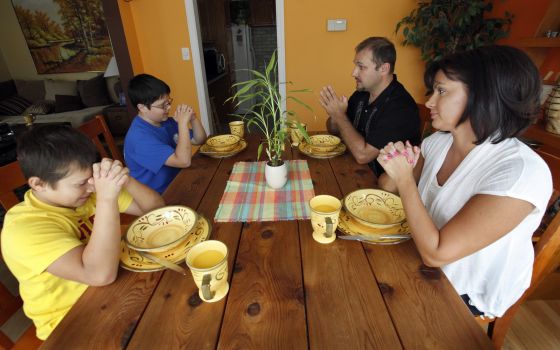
(315, 57)
(156, 31)
(528, 16)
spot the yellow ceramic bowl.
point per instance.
(374, 208)
(161, 229)
(323, 143)
(223, 143)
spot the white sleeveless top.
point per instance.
(497, 275)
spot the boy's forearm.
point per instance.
(183, 150)
(199, 134)
(101, 254)
(145, 198)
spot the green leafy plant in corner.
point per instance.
(440, 27)
(267, 114)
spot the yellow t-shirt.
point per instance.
(34, 236)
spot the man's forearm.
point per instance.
(332, 127)
(360, 149)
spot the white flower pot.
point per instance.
(276, 176)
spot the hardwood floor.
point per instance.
(536, 326)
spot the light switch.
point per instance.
(336, 25)
(185, 53)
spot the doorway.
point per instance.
(231, 36)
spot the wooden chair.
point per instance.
(98, 131)
(425, 120)
(547, 257)
(12, 178)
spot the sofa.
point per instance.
(53, 100)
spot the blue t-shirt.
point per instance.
(147, 147)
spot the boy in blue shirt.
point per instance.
(156, 146)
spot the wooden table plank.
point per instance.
(192, 181)
(350, 175)
(189, 322)
(265, 306)
(425, 307)
(345, 308)
(265, 309)
(105, 317)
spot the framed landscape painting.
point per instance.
(65, 36)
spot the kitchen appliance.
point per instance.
(214, 62)
(243, 58)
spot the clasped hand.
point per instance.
(334, 106)
(398, 159)
(184, 114)
(109, 176)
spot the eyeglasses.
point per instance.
(165, 105)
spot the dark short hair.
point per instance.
(503, 88)
(383, 51)
(146, 89)
(49, 151)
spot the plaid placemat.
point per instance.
(248, 198)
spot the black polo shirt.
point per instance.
(392, 117)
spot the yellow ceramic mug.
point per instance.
(208, 264)
(237, 128)
(29, 119)
(324, 217)
(295, 134)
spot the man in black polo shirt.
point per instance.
(379, 111)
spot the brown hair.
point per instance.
(382, 50)
(49, 151)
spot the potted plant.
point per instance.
(267, 116)
(439, 27)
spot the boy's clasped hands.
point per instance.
(184, 114)
(109, 177)
(398, 158)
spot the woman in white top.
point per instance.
(474, 194)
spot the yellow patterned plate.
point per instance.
(374, 208)
(306, 149)
(161, 229)
(208, 151)
(323, 143)
(131, 260)
(223, 143)
(349, 226)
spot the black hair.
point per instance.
(383, 51)
(503, 87)
(146, 89)
(49, 151)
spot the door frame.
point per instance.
(193, 23)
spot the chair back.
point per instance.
(547, 254)
(98, 131)
(12, 178)
(425, 120)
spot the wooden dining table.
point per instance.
(286, 290)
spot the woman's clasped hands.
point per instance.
(398, 159)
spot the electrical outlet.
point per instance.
(185, 52)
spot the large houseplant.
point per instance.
(266, 114)
(439, 27)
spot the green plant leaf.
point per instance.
(259, 151)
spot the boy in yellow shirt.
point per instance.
(50, 241)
